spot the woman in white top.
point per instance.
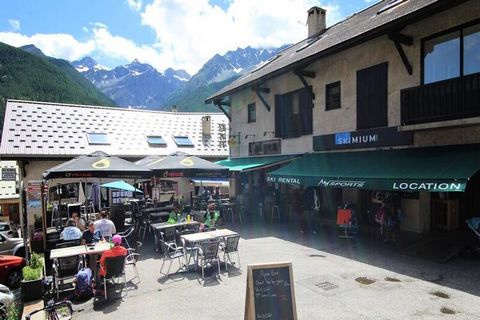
(105, 225)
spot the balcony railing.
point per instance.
(451, 99)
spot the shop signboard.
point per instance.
(34, 194)
(9, 174)
(258, 148)
(379, 137)
(270, 292)
(374, 183)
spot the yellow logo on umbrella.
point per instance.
(188, 162)
(101, 164)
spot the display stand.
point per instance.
(347, 223)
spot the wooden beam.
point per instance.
(398, 39)
(257, 91)
(301, 74)
(401, 38)
(220, 105)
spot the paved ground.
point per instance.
(323, 258)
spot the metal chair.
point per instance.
(209, 255)
(125, 235)
(114, 269)
(171, 252)
(64, 269)
(230, 246)
(132, 258)
(191, 251)
(193, 227)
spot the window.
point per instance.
(183, 141)
(391, 4)
(451, 54)
(156, 141)
(252, 113)
(332, 96)
(293, 114)
(98, 138)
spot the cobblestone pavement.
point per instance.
(325, 269)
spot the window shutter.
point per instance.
(306, 111)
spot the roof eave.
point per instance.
(371, 34)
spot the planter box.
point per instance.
(32, 290)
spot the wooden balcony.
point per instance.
(452, 99)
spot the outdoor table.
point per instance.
(209, 235)
(206, 236)
(163, 225)
(80, 250)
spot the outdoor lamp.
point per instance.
(249, 135)
(265, 133)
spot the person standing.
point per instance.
(105, 225)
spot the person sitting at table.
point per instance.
(175, 213)
(79, 222)
(211, 216)
(71, 232)
(116, 251)
(105, 225)
(91, 235)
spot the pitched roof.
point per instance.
(42, 129)
(364, 25)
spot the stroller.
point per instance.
(474, 225)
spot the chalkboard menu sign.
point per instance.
(270, 293)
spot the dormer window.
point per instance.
(98, 138)
(156, 141)
(183, 141)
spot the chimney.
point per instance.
(206, 126)
(316, 20)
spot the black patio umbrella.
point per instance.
(98, 165)
(181, 165)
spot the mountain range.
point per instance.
(139, 85)
(27, 74)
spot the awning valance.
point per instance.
(433, 169)
(253, 163)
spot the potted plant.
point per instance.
(32, 286)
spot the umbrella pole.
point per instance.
(44, 216)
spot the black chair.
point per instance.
(64, 269)
(209, 255)
(114, 269)
(68, 243)
(230, 246)
(209, 229)
(193, 227)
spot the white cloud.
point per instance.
(135, 5)
(15, 24)
(191, 32)
(188, 32)
(60, 45)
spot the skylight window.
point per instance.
(98, 138)
(183, 141)
(156, 141)
(390, 4)
(308, 43)
(266, 63)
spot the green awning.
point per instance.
(433, 169)
(250, 163)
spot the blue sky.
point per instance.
(182, 34)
